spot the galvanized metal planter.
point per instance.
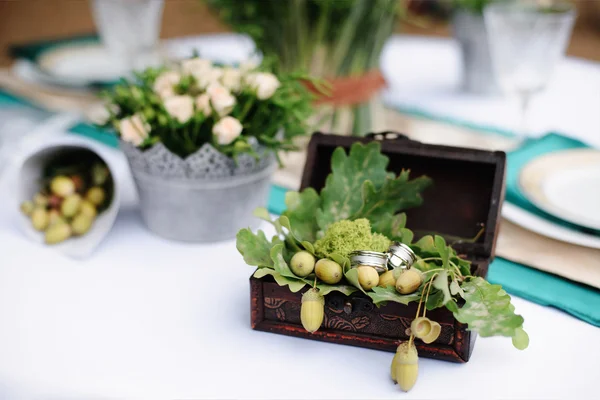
(477, 73)
(205, 198)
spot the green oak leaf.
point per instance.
(339, 199)
(264, 214)
(395, 195)
(281, 266)
(255, 248)
(380, 295)
(440, 282)
(487, 309)
(325, 289)
(308, 246)
(343, 261)
(295, 285)
(301, 213)
(455, 289)
(391, 226)
(435, 299)
(262, 272)
(444, 252)
(521, 339)
(394, 228)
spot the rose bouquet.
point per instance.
(193, 103)
(201, 140)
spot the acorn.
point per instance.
(425, 329)
(408, 281)
(87, 208)
(328, 271)
(39, 218)
(312, 310)
(62, 186)
(40, 200)
(387, 279)
(95, 195)
(70, 205)
(367, 277)
(27, 207)
(302, 264)
(57, 233)
(405, 365)
(81, 224)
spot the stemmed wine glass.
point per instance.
(527, 40)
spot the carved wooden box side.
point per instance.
(356, 321)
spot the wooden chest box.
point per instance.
(466, 195)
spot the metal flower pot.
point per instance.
(204, 198)
(477, 71)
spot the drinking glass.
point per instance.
(130, 29)
(526, 42)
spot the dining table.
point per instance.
(148, 318)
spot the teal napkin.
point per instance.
(517, 159)
(546, 289)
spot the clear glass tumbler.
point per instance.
(526, 41)
(130, 29)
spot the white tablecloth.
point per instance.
(424, 75)
(146, 318)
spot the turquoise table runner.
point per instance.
(546, 289)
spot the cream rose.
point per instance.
(203, 104)
(248, 65)
(180, 107)
(208, 77)
(134, 129)
(264, 83)
(164, 85)
(195, 66)
(232, 79)
(221, 99)
(227, 129)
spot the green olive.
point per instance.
(96, 195)
(39, 218)
(81, 224)
(70, 205)
(57, 233)
(62, 186)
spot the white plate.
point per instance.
(544, 227)
(83, 64)
(565, 184)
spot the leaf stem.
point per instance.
(427, 296)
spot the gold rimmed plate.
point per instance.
(565, 184)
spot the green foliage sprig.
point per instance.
(359, 186)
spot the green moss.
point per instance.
(344, 237)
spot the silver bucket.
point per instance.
(201, 209)
(477, 70)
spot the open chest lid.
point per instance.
(465, 197)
